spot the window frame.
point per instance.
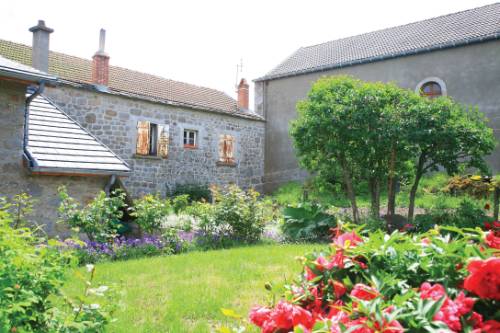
(195, 138)
(437, 80)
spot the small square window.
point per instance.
(190, 138)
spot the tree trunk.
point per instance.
(347, 177)
(496, 199)
(391, 188)
(413, 192)
(374, 186)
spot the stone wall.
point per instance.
(113, 119)
(15, 178)
(471, 74)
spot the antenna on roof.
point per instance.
(239, 69)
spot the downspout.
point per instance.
(38, 91)
(112, 181)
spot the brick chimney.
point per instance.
(100, 63)
(40, 47)
(243, 94)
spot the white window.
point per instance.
(190, 138)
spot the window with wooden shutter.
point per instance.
(163, 140)
(226, 149)
(143, 139)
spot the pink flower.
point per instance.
(348, 239)
(434, 292)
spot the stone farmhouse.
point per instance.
(92, 127)
(456, 55)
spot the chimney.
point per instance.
(100, 63)
(40, 49)
(243, 95)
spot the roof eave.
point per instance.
(76, 172)
(13, 73)
(480, 39)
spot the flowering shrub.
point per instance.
(392, 283)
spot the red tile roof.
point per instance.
(130, 82)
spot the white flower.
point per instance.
(89, 267)
(94, 306)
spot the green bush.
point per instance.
(196, 192)
(469, 214)
(307, 222)
(149, 212)
(32, 273)
(100, 220)
(236, 217)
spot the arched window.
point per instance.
(431, 89)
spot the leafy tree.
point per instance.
(445, 133)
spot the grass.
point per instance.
(429, 195)
(184, 293)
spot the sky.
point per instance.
(202, 42)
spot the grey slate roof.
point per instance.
(13, 69)
(470, 26)
(58, 144)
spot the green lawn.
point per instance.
(184, 293)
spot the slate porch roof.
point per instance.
(58, 144)
(129, 82)
(452, 30)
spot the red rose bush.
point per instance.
(433, 282)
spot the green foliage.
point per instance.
(468, 214)
(20, 206)
(350, 131)
(307, 222)
(32, 274)
(149, 211)
(236, 217)
(195, 192)
(100, 219)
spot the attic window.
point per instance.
(431, 89)
(152, 139)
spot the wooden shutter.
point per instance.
(142, 147)
(226, 149)
(163, 140)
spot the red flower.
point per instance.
(476, 320)
(347, 239)
(287, 316)
(259, 315)
(339, 289)
(491, 326)
(484, 278)
(309, 274)
(492, 240)
(487, 226)
(364, 292)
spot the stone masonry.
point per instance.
(113, 119)
(15, 179)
